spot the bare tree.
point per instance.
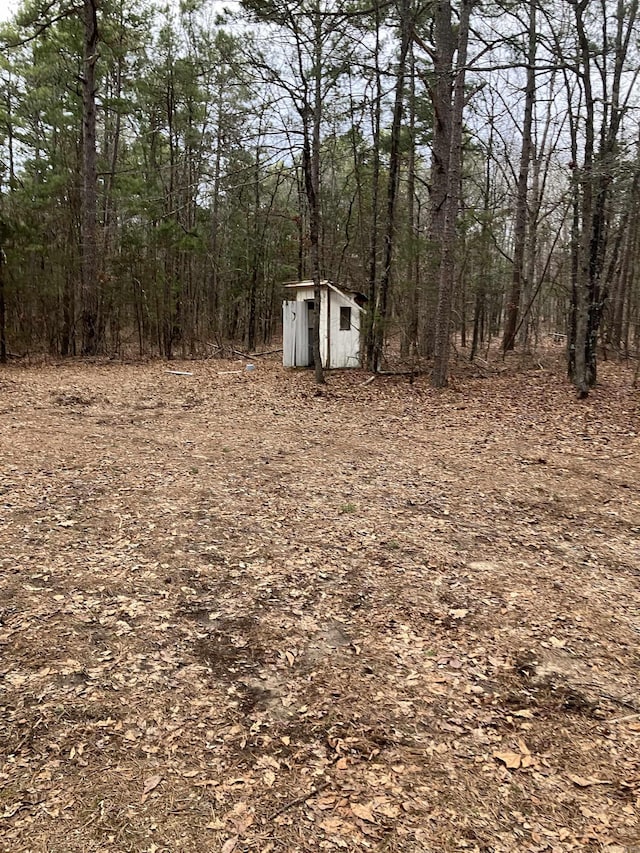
(520, 223)
(313, 28)
(451, 112)
(597, 175)
(91, 321)
(382, 296)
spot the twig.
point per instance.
(266, 352)
(368, 381)
(23, 804)
(27, 737)
(299, 800)
(400, 373)
(626, 719)
(622, 700)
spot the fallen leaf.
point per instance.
(459, 613)
(327, 801)
(388, 810)
(230, 844)
(512, 760)
(11, 810)
(243, 823)
(332, 824)
(151, 783)
(363, 812)
(585, 782)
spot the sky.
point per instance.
(7, 8)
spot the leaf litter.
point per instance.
(236, 614)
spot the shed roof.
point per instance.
(308, 283)
(350, 295)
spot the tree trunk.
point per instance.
(625, 279)
(382, 302)
(413, 265)
(520, 224)
(3, 310)
(440, 373)
(441, 97)
(213, 290)
(255, 258)
(91, 332)
(597, 177)
(312, 185)
(370, 317)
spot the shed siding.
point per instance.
(345, 345)
(338, 348)
(289, 334)
(304, 295)
(302, 335)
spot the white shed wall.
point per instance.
(344, 344)
(289, 314)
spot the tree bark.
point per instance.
(382, 302)
(91, 333)
(440, 375)
(370, 317)
(312, 184)
(520, 224)
(596, 181)
(441, 97)
(3, 310)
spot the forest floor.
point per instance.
(238, 615)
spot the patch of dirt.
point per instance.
(239, 615)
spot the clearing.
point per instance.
(238, 616)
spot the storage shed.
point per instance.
(340, 322)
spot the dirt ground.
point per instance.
(236, 615)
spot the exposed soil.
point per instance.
(238, 614)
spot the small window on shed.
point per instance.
(345, 318)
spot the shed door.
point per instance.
(289, 333)
(302, 335)
(311, 311)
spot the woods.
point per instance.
(244, 606)
(470, 166)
